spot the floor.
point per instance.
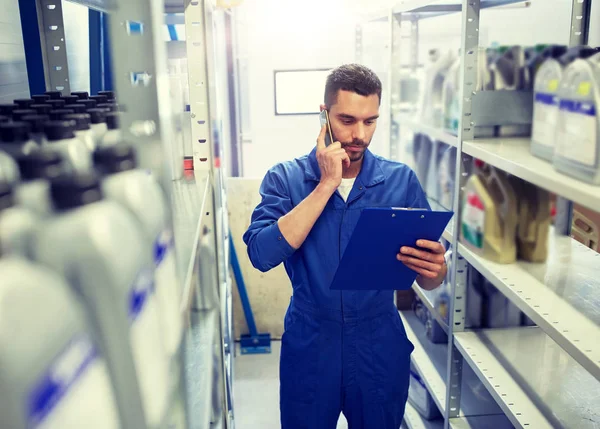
(256, 391)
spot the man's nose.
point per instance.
(359, 132)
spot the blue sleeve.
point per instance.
(267, 247)
(415, 196)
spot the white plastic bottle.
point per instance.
(61, 139)
(137, 191)
(83, 129)
(36, 169)
(9, 171)
(113, 135)
(15, 139)
(100, 249)
(98, 123)
(577, 150)
(52, 374)
(37, 122)
(17, 224)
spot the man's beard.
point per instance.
(359, 144)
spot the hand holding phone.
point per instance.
(324, 119)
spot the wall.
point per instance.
(13, 70)
(286, 34)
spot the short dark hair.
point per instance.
(351, 77)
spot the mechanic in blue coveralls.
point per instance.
(341, 351)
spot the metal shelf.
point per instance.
(428, 358)
(481, 422)
(535, 382)
(560, 296)
(513, 156)
(431, 363)
(188, 201)
(414, 420)
(435, 206)
(433, 132)
(431, 8)
(426, 297)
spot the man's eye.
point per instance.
(369, 122)
(347, 122)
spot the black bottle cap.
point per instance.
(111, 107)
(113, 120)
(42, 109)
(54, 95)
(69, 99)
(36, 122)
(40, 98)
(56, 104)
(19, 113)
(110, 95)
(114, 159)
(82, 95)
(59, 130)
(7, 109)
(89, 104)
(99, 98)
(75, 107)
(40, 164)
(57, 114)
(82, 120)
(4, 119)
(6, 195)
(72, 191)
(98, 116)
(24, 103)
(14, 132)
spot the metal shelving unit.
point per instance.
(200, 394)
(544, 376)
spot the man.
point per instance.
(341, 351)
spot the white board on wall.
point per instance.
(299, 92)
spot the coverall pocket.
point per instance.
(391, 349)
(298, 367)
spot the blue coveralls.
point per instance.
(341, 350)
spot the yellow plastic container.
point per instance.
(489, 216)
(534, 221)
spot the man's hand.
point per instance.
(331, 158)
(428, 262)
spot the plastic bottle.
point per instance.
(111, 107)
(4, 119)
(110, 95)
(99, 247)
(81, 95)
(15, 139)
(56, 103)
(52, 375)
(113, 136)
(69, 99)
(83, 129)
(446, 173)
(7, 109)
(9, 171)
(42, 109)
(76, 107)
(18, 114)
(54, 95)
(586, 227)
(17, 225)
(61, 138)
(534, 220)
(58, 114)
(431, 108)
(89, 104)
(437, 151)
(137, 191)
(36, 169)
(36, 122)
(40, 98)
(546, 99)
(24, 103)
(98, 120)
(99, 98)
(489, 216)
(577, 151)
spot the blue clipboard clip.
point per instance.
(369, 261)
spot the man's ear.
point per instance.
(323, 107)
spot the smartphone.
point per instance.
(324, 118)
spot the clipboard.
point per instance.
(369, 261)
